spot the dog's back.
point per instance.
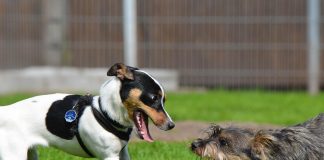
(22, 124)
(302, 141)
(315, 125)
(30, 112)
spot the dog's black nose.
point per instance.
(171, 125)
(195, 144)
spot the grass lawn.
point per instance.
(137, 151)
(284, 108)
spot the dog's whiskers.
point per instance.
(209, 151)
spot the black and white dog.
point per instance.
(86, 126)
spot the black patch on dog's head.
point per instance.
(133, 78)
(141, 92)
(151, 92)
(55, 121)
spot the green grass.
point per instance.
(160, 151)
(137, 150)
(11, 98)
(54, 154)
(283, 108)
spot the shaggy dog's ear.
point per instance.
(262, 144)
(213, 130)
(121, 71)
(263, 138)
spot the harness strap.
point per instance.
(79, 107)
(107, 117)
(107, 123)
(122, 132)
(83, 145)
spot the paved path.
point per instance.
(189, 130)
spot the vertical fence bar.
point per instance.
(313, 24)
(54, 14)
(130, 32)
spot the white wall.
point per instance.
(70, 80)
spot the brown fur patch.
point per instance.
(158, 118)
(133, 102)
(121, 71)
(263, 139)
(124, 73)
(260, 143)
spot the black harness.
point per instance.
(122, 132)
(110, 125)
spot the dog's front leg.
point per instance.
(124, 153)
(32, 154)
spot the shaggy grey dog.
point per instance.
(304, 141)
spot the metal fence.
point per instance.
(212, 43)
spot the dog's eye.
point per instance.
(223, 142)
(154, 97)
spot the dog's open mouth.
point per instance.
(141, 123)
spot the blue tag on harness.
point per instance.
(70, 116)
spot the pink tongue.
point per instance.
(143, 128)
(145, 133)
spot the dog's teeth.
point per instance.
(138, 119)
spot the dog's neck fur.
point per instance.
(111, 102)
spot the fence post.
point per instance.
(130, 32)
(54, 14)
(313, 29)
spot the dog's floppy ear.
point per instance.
(121, 71)
(262, 144)
(264, 139)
